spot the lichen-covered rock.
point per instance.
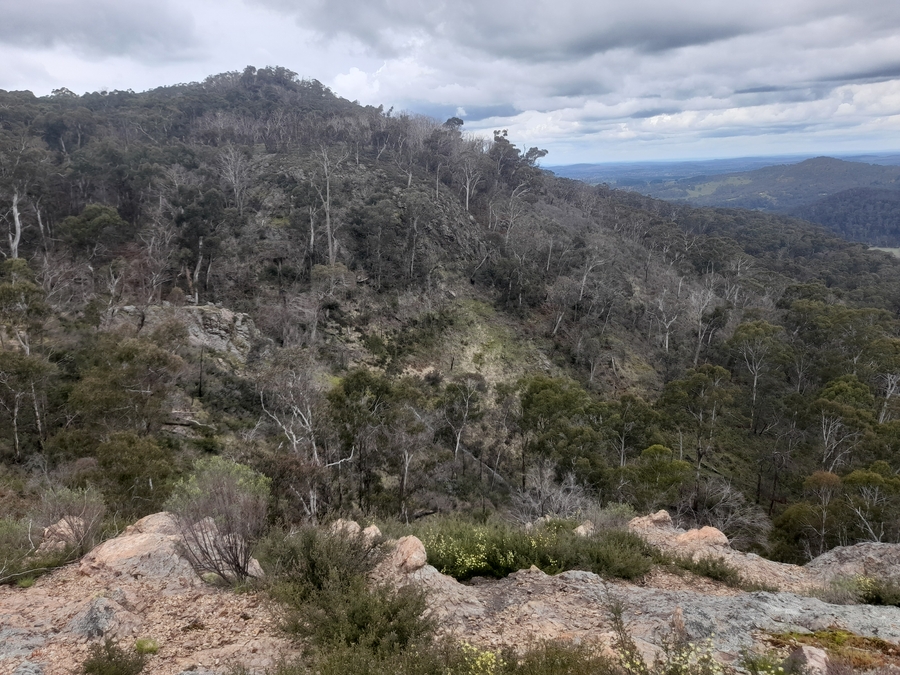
(103, 618)
(808, 660)
(29, 668)
(869, 559)
(149, 549)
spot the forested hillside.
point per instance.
(856, 200)
(427, 322)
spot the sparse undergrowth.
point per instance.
(861, 590)
(858, 652)
(717, 569)
(108, 658)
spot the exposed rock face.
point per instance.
(808, 660)
(869, 560)
(136, 585)
(708, 542)
(529, 605)
(102, 618)
(146, 550)
(215, 328)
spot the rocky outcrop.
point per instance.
(867, 560)
(138, 585)
(147, 550)
(708, 542)
(135, 586)
(217, 329)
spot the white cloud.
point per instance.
(586, 80)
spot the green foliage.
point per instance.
(96, 225)
(146, 646)
(125, 385)
(110, 659)
(134, 473)
(763, 663)
(713, 568)
(320, 580)
(465, 550)
(76, 514)
(443, 657)
(861, 590)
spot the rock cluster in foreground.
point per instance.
(139, 586)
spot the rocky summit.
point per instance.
(138, 585)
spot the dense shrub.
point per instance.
(442, 657)
(465, 550)
(78, 516)
(321, 580)
(861, 590)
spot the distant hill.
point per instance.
(858, 200)
(635, 174)
(780, 188)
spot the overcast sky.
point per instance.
(590, 80)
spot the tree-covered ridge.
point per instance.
(442, 324)
(858, 201)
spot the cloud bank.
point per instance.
(590, 81)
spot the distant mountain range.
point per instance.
(860, 200)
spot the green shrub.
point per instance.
(321, 582)
(18, 562)
(146, 646)
(352, 612)
(716, 569)
(861, 590)
(443, 657)
(765, 663)
(303, 561)
(620, 554)
(877, 591)
(464, 550)
(559, 658)
(110, 659)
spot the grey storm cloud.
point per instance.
(574, 75)
(536, 30)
(145, 29)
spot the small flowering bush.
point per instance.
(762, 664)
(477, 661)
